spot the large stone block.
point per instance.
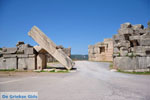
(138, 26)
(29, 50)
(9, 50)
(146, 35)
(26, 63)
(126, 25)
(145, 42)
(22, 55)
(126, 31)
(8, 63)
(131, 63)
(139, 32)
(50, 47)
(126, 63)
(9, 55)
(134, 38)
(123, 51)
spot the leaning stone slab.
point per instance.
(50, 47)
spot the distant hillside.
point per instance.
(79, 57)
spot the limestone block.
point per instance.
(95, 50)
(131, 63)
(50, 47)
(41, 61)
(9, 55)
(146, 35)
(22, 56)
(138, 26)
(126, 25)
(26, 63)
(124, 44)
(9, 50)
(126, 63)
(29, 50)
(126, 31)
(145, 42)
(116, 50)
(8, 63)
(123, 51)
(118, 37)
(139, 32)
(134, 37)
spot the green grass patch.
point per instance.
(55, 71)
(7, 69)
(111, 66)
(133, 72)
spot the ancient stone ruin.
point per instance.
(101, 51)
(132, 47)
(49, 46)
(26, 57)
(21, 57)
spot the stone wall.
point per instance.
(22, 57)
(101, 51)
(132, 47)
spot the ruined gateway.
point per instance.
(101, 51)
(132, 48)
(26, 57)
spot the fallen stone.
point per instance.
(50, 47)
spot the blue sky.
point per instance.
(71, 23)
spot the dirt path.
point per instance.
(92, 81)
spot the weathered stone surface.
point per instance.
(131, 63)
(132, 48)
(126, 25)
(9, 50)
(134, 38)
(26, 63)
(126, 63)
(50, 47)
(9, 63)
(29, 50)
(22, 57)
(138, 26)
(10, 56)
(41, 59)
(145, 42)
(101, 51)
(125, 31)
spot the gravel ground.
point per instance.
(91, 81)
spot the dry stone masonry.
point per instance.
(101, 51)
(26, 57)
(22, 57)
(132, 47)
